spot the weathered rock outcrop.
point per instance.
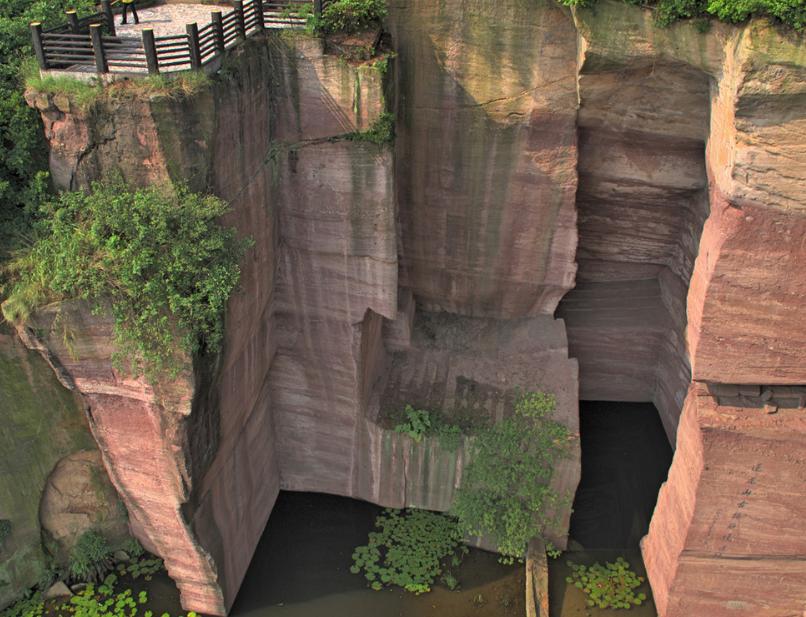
(78, 497)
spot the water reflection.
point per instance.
(301, 569)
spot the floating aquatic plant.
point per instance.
(611, 585)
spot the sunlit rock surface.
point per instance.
(646, 183)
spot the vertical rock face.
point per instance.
(486, 155)
(726, 537)
(729, 519)
(338, 276)
(198, 466)
(40, 423)
(642, 199)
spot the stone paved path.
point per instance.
(168, 19)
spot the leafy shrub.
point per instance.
(23, 151)
(103, 600)
(5, 530)
(27, 607)
(505, 492)
(450, 581)
(552, 551)
(156, 257)
(449, 436)
(417, 424)
(791, 12)
(611, 585)
(669, 11)
(382, 130)
(408, 549)
(90, 559)
(350, 16)
(421, 423)
(133, 548)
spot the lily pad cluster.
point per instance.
(611, 585)
(101, 600)
(410, 549)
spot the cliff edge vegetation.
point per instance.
(789, 12)
(156, 258)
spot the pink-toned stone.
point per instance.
(486, 155)
(728, 520)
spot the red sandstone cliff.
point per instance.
(681, 154)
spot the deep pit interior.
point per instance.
(565, 207)
(641, 202)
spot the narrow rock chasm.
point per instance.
(641, 203)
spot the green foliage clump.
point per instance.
(611, 585)
(5, 530)
(449, 436)
(421, 423)
(145, 567)
(382, 131)
(417, 424)
(90, 559)
(81, 93)
(155, 257)
(408, 550)
(103, 600)
(790, 12)
(505, 492)
(133, 548)
(552, 551)
(351, 16)
(32, 606)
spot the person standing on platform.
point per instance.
(129, 5)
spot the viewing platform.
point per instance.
(169, 37)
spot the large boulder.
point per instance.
(78, 497)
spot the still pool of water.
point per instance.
(568, 601)
(301, 569)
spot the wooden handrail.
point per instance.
(91, 39)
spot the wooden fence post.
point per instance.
(317, 8)
(218, 31)
(110, 16)
(261, 24)
(101, 64)
(239, 18)
(193, 43)
(39, 50)
(151, 51)
(72, 20)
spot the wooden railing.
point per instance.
(91, 42)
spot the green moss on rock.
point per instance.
(40, 422)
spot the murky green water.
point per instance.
(625, 458)
(301, 569)
(568, 601)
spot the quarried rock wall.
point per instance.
(727, 537)
(686, 167)
(486, 154)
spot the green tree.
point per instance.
(155, 257)
(23, 153)
(505, 492)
